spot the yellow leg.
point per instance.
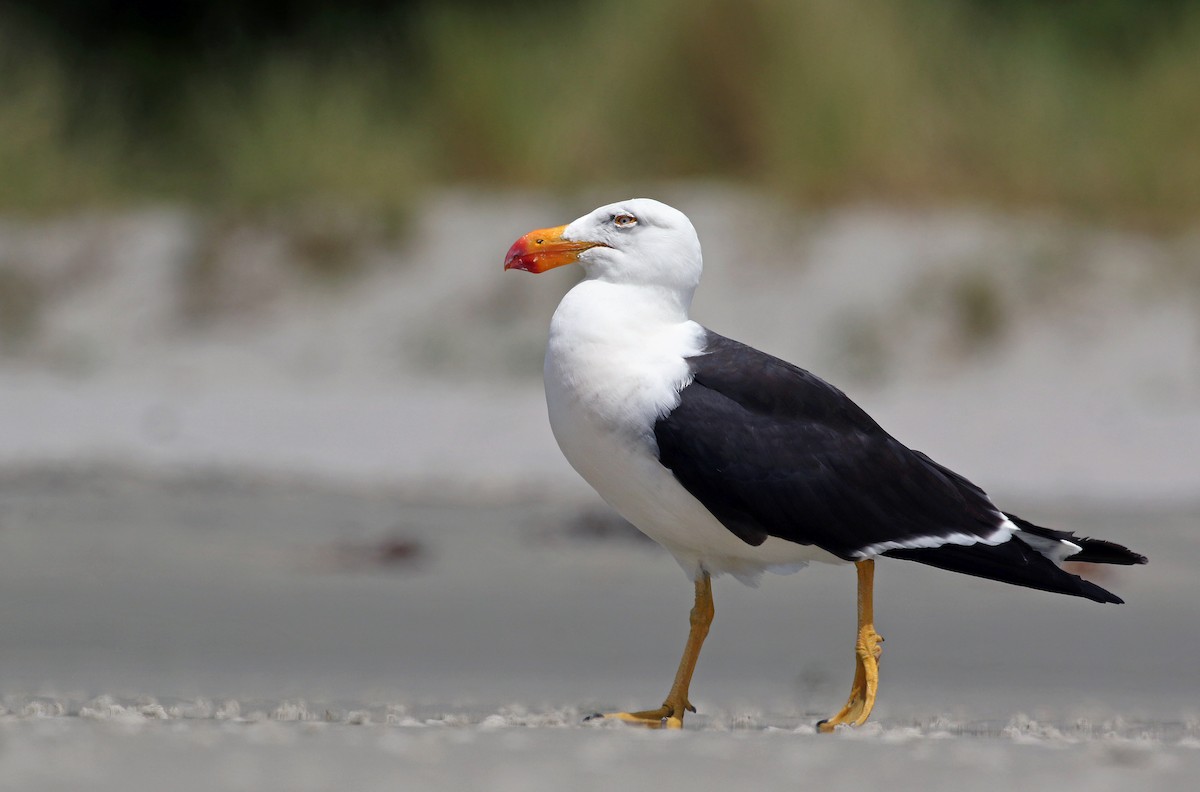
(867, 651)
(670, 714)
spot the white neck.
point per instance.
(599, 308)
(619, 351)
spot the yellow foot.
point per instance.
(668, 716)
(866, 682)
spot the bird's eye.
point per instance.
(624, 220)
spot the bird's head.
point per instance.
(639, 241)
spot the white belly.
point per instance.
(631, 480)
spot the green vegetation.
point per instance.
(1088, 108)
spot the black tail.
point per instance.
(1016, 562)
(1092, 551)
(1098, 551)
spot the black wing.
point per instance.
(773, 450)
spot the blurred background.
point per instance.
(204, 199)
(1070, 106)
(254, 330)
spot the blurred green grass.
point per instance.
(1076, 108)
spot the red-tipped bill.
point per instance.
(544, 249)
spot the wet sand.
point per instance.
(218, 633)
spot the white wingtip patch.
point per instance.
(1057, 550)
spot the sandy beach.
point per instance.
(237, 634)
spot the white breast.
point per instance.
(614, 365)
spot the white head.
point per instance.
(639, 241)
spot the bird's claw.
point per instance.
(668, 716)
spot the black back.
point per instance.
(773, 450)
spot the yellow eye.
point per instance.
(624, 220)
